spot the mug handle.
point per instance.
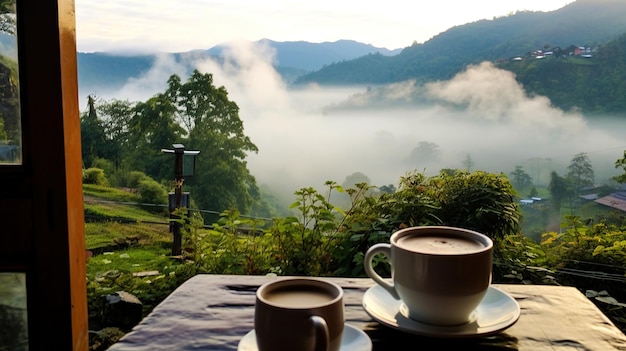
(385, 249)
(322, 337)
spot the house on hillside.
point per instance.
(583, 51)
(616, 200)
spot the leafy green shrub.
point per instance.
(306, 245)
(152, 192)
(136, 177)
(95, 176)
(232, 246)
(324, 239)
(480, 201)
(106, 165)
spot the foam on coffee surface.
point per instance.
(434, 244)
(299, 298)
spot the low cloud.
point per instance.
(307, 135)
(487, 92)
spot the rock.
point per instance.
(122, 310)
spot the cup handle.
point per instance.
(322, 337)
(385, 249)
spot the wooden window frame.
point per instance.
(41, 201)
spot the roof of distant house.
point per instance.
(616, 200)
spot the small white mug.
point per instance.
(299, 313)
(440, 273)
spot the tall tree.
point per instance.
(215, 129)
(115, 116)
(154, 128)
(92, 135)
(468, 163)
(580, 172)
(424, 153)
(521, 179)
(354, 179)
(560, 190)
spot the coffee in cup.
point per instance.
(440, 273)
(299, 313)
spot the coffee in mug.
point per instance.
(440, 273)
(299, 313)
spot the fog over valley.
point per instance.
(307, 135)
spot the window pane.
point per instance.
(13, 314)
(10, 128)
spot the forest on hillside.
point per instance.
(594, 85)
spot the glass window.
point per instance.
(13, 314)
(10, 127)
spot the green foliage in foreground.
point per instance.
(326, 240)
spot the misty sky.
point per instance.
(177, 26)
(313, 134)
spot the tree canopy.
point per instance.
(194, 113)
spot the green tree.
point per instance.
(354, 179)
(560, 190)
(580, 172)
(215, 129)
(621, 163)
(424, 153)
(115, 116)
(521, 179)
(92, 135)
(468, 163)
(387, 189)
(154, 127)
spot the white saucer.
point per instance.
(496, 312)
(353, 339)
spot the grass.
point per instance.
(109, 193)
(104, 234)
(132, 260)
(127, 247)
(130, 250)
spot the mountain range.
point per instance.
(292, 60)
(582, 23)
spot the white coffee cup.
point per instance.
(299, 313)
(441, 274)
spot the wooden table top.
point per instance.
(214, 312)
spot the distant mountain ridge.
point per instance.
(313, 56)
(103, 70)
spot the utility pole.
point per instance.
(180, 171)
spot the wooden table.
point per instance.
(213, 312)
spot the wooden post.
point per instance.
(179, 151)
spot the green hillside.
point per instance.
(592, 86)
(583, 22)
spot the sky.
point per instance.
(178, 26)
